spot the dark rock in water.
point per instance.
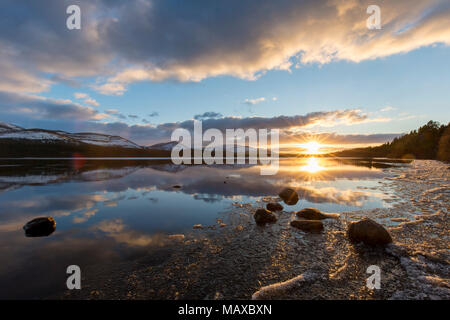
(308, 225)
(369, 232)
(40, 227)
(176, 187)
(263, 216)
(289, 196)
(315, 214)
(274, 206)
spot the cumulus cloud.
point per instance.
(158, 40)
(80, 95)
(38, 107)
(252, 102)
(14, 78)
(87, 99)
(91, 102)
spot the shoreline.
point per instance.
(235, 260)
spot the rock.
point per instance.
(176, 236)
(40, 227)
(263, 216)
(176, 186)
(308, 225)
(315, 214)
(369, 232)
(289, 196)
(197, 226)
(274, 206)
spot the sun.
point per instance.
(311, 147)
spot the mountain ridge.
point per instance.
(16, 141)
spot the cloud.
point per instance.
(321, 118)
(387, 108)
(112, 111)
(38, 107)
(146, 134)
(159, 40)
(153, 114)
(87, 99)
(80, 95)
(14, 78)
(41, 112)
(245, 39)
(91, 102)
(335, 138)
(207, 115)
(116, 114)
(252, 102)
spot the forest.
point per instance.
(431, 141)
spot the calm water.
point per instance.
(109, 211)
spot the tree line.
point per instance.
(431, 141)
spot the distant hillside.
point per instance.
(431, 141)
(19, 142)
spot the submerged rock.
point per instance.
(308, 225)
(176, 236)
(40, 227)
(289, 196)
(369, 232)
(315, 214)
(263, 216)
(274, 206)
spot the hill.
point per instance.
(19, 142)
(431, 141)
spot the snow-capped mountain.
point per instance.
(8, 127)
(164, 146)
(104, 140)
(9, 131)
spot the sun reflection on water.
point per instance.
(312, 165)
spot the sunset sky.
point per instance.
(140, 69)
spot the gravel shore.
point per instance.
(235, 258)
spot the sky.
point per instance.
(142, 68)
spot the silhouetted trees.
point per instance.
(444, 146)
(431, 141)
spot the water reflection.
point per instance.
(312, 166)
(114, 210)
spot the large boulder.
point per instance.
(40, 227)
(289, 196)
(308, 225)
(369, 232)
(315, 214)
(263, 216)
(274, 206)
